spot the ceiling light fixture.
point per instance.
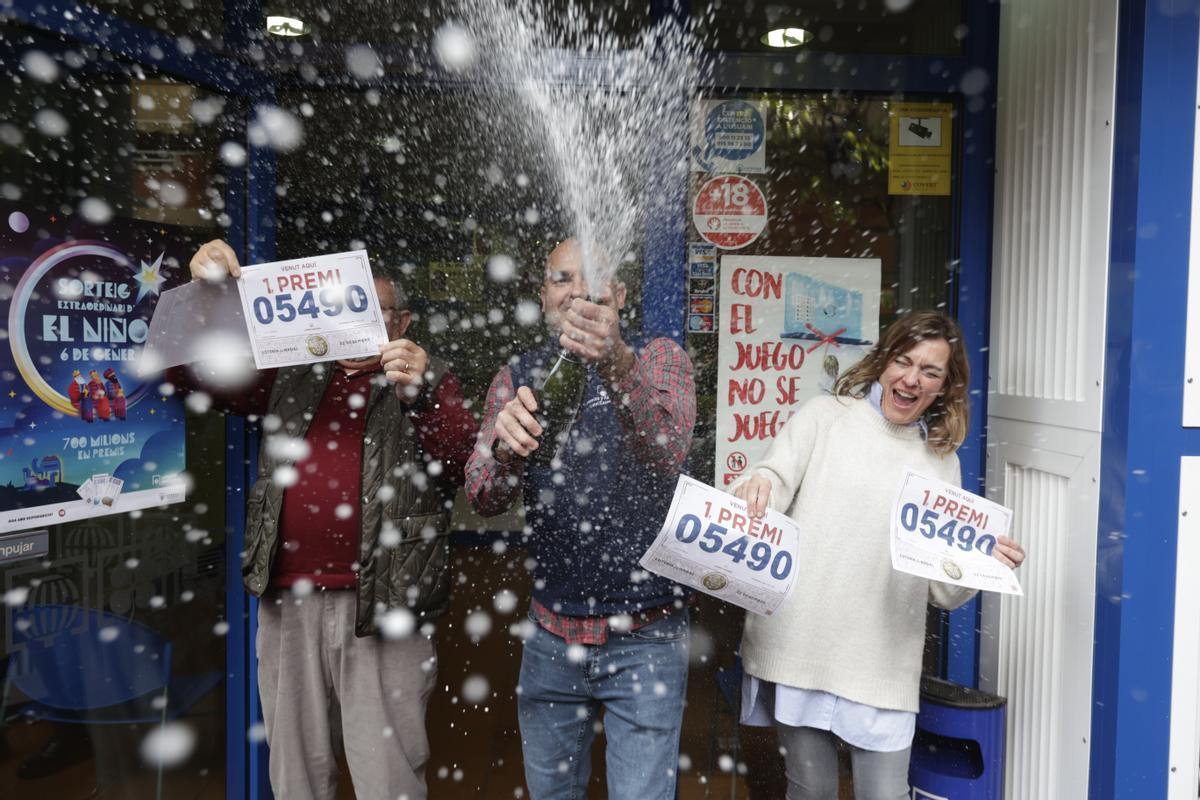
(285, 26)
(786, 37)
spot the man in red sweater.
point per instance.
(346, 545)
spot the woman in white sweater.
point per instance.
(842, 658)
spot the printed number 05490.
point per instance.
(965, 537)
(758, 556)
(329, 301)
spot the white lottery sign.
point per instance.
(322, 308)
(946, 534)
(710, 543)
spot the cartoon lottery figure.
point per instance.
(114, 392)
(77, 388)
(99, 398)
(81, 398)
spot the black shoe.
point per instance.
(67, 746)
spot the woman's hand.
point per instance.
(1008, 552)
(756, 491)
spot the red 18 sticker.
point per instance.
(730, 211)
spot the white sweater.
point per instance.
(852, 626)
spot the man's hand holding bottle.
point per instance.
(589, 333)
(591, 330)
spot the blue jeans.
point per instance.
(639, 679)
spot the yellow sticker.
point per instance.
(919, 148)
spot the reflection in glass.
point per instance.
(111, 658)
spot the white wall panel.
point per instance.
(1037, 649)
(1191, 364)
(1183, 776)
(1053, 185)
(1054, 148)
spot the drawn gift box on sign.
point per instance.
(814, 309)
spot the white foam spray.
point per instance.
(607, 110)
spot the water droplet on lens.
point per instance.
(233, 154)
(476, 689)
(397, 623)
(363, 63)
(51, 123)
(454, 47)
(477, 625)
(199, 402)
(501, 268)
(40, 66)
(505, 601)
(168, 745)
(96, 211)
(16, 597)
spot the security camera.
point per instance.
(920, 130)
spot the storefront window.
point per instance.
(114, 649)
(833, 189)
(112, 652)
(850, 225)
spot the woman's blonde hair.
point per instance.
(947, 416)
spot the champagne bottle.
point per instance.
(558, 397)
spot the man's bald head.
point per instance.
(565, 278)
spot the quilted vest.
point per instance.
(397, 496)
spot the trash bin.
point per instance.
(958, 748)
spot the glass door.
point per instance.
(823, 216)
(112, 534)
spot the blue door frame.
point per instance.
(250, 203)
(1143, 438)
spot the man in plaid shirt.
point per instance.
(608, 634)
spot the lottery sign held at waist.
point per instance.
(710, 543)
(322, 308)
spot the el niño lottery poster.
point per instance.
(788, 327)
(82, 433)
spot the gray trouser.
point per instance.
(810, 761)
(324, 689)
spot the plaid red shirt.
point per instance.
(655, 405)
(594, 630)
